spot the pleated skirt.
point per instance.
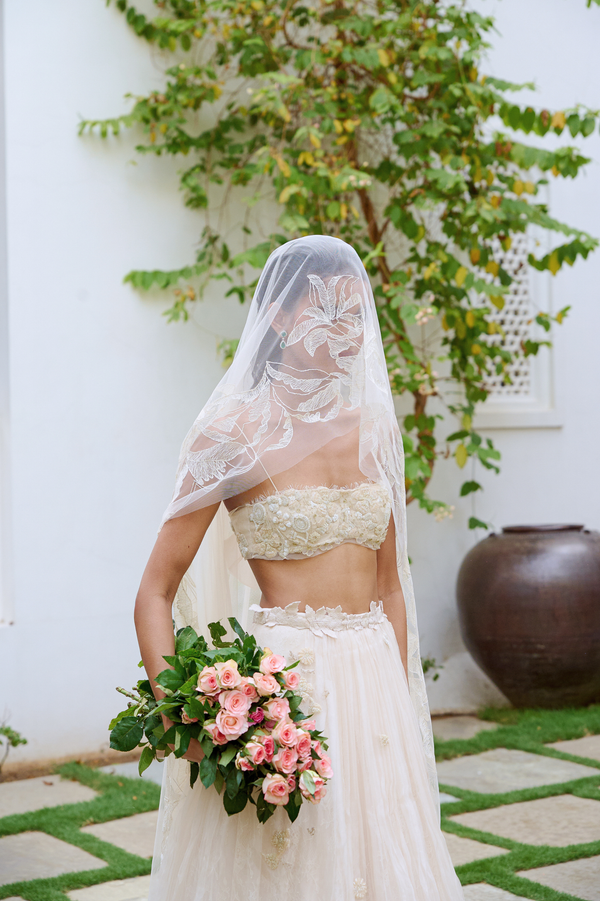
(376, 834)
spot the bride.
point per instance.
(290, 492)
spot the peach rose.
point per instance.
(249, 688)
(207, 681)
(307, 725)
(273, 663)
(227, 674)
(256, 751)
(231, 724)
(278, 709)
(292, 680)
(285, 734)
(319, 791)
(285, 760)
(266, 685)
(242, 763)
(235, 702)
(323, 767)
(215, 733)
(303, 744)
(188, 719)
(291, 781)
(275, 789)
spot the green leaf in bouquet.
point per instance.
(189, 686)
(120, 716)
(144, 688)
(290, 666)
(295, 701)
(185, 639)
(217, 631)
(194, 708)
(169, 736)
(219, 781)
(208, 771)
(235, 804)
(148, 755)
(294, 804)
(309, 781)
(236, 627)
(182, 740)
(194, 772)
(232, 785)
(152, 725)
(264, 810)
(206, 745)
(168, 678)
(227, 755)
(127, 734)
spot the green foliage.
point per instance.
(9, 738)
(374, 123)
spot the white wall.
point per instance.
(102, 390)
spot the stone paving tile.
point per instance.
(503, 770)
(25, 795)
(581, 747)
(134, 834)
(465, 850)
(559, 821)
(576, 877)
(449, 728)
(481, 891)
(130, 770)
(445, 797)
(36, 855)
(135, 889)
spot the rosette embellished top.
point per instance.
(304, 522)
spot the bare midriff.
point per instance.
(345, 576)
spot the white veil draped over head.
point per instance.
(309, 367)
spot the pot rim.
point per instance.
(545, 527)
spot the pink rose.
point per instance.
(188, 719)
(273, 663)
(278, 708)
(258, 715)
(323, 767)
(266, 685)
(215, 733)
(248, 687)
(292, 680)
(227, 674)
(256, 751)
(304, 763)
(235, 702)
(242, 763)
(307, 725)
(207, 681)
(319, 791)
(275, 789)
(291, 781)
(303, 744)
(316, 746)
(285, 734)
(285, 760)
(231, 724)
(268, 744)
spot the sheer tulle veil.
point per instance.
(309, 367)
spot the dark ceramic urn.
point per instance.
(529, 609)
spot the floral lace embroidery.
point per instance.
(303, 522)
(281, 841)
(360, 888)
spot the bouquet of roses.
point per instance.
(238, 701)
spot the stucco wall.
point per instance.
(101, 390)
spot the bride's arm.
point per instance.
(390, 590)
(175, 548)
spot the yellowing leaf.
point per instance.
(475, 255)
(558, 120)
(350, 124)
(529, 187)
(217, 91)
(461, 275)
(284, 113)
(475, 349)
(461, 455)
(267, 20)
(492, 267)
(283, 166)
(466, 422)
(507, 243)
(429, 271)
(306, 157)
(162, 128)
(470, 318)
(338, 126)
(287, 193)
(518, 187)
(491, 328)
(498, 301)
(559, 317)
(445, 325)
(342, 139)
(314, 140)
(553, 263)
(392, 78)
(343, 210)
(257, 5)
(489, 177)
(152, 137)
(383, 57)
(496, 200)
(473, 74)
(555, 171)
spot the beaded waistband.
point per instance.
(324, 621)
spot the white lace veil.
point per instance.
(309, 367)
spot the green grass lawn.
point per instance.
(525, 730)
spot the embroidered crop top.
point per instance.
(304, 522)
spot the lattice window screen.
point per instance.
(514, 319)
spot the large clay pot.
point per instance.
(529, 608)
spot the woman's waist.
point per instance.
(321, 620)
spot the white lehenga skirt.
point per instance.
(376, 834)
